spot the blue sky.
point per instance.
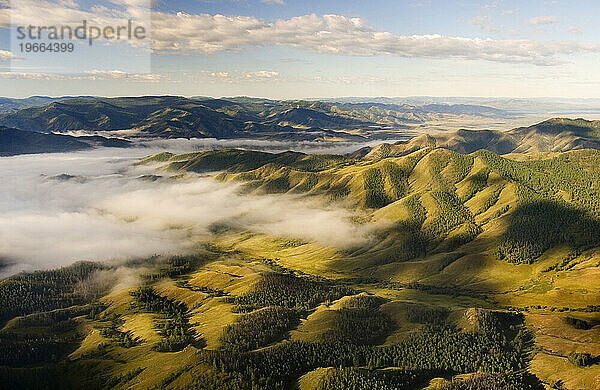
(296, 49)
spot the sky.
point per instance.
(311, 49)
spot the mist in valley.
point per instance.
(97, 205)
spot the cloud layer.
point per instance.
(542, 20)
(59, 208)
(6, 55)
(343, 35)
(90, 75)
(189, 34)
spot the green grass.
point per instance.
(464, 248)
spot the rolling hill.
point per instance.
(12, 104)
(553, 135)
(480, 270)
(14, 142)
(179, 117)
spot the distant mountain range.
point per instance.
(11, 104)
(518, 106)
(110, 120)
(241, 117)
(14, 142)
(553, 135)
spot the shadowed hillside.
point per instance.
(179, 117)
(445, 198)
(14, 142)
(479, 271)
(553, 135)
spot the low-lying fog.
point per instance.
(59, 208)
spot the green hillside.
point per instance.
(14, 142)
(553, 135)
(180, 117)
(482, 272)
(450, 194)
(13, 104)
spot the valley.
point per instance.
(243, 117)
(468, 270)
(299, 195)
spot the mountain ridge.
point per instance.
(14, 142)
(478, 271)
(180, 117)
(552, 135)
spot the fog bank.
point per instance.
(59, 208)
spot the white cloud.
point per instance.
(342, 35)
(491, 5)
(67, 3)
(538, 20)
(262, 74)
(33, 76)
(483, 22)
(349, 80)
(70, 13)
(119, 74)
(575, 30)
(189, 34)
(509, 11)
(280, 2)
(6, 55)
(4, 17)
(87, 75)
(239, 76)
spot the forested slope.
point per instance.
(481, 271)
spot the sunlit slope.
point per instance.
(444, 218)
(460, 230)
(240, 117)
(208, 321)
(552, 135)
(234, 303)
(478, 270)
